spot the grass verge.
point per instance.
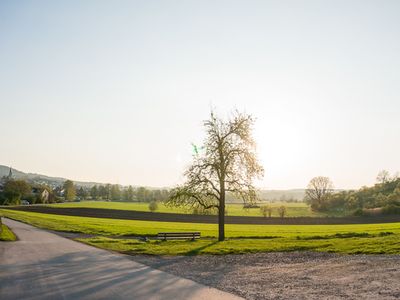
(6, 234)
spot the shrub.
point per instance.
(358, 212)
(153, 206)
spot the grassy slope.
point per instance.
(6, 234)
(365, 238)
(293, 209)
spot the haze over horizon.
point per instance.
(117, 92)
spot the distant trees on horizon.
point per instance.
(13, 191)
(382, 198)
(115, 192)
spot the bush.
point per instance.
(153, 206)
(358, 212)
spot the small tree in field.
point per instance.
(282, 211)
(228, 164)
(266, 211)
(153, 206)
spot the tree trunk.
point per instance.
(221, 217)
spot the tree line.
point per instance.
(383, 197)
(114, 192)
(13, 192)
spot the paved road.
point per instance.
(42, 265)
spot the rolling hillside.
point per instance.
(276, 195)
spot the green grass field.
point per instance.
(364, 238)
(300, 209)
(6, 234)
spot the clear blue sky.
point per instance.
(115, 91)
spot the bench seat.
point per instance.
(178, 235)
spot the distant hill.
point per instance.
(274, 195)
(39, 178)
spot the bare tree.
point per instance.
(228, 164)
(383, 176)
(282, 211)
(266, 210)
(318, 190)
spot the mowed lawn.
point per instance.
(299, 209)
(350, 239)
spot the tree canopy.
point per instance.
(69, 190)
(15, 190)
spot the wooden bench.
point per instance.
(178, 235)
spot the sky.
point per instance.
(116, 91)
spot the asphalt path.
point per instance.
(43, 265)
